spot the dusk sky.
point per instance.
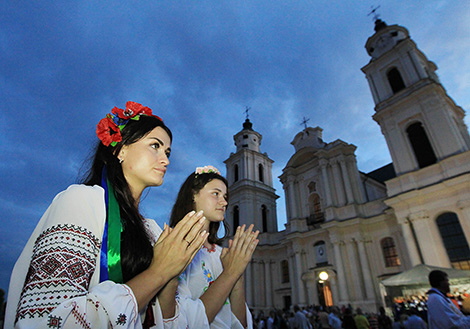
(198, 65)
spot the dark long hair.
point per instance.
(136, 248)
(185, 203)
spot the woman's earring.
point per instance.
(120, 160)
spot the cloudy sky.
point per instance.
(197, 64)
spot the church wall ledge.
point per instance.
(444, 170)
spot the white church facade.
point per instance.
(360, 228)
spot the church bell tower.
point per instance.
(251, 192)
(421, 123)
(429, 145)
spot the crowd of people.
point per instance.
(318, 317)
(434, 311)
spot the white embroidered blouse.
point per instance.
(55, 282)
(203, 270)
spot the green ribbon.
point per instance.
(114, 237)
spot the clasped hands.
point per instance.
(176, 247)
(236, 257)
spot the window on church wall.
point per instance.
(235, 173)
(312, 187)
(395, 80)
(315, 209)
(454, 240)
(390, 252)
(261, 172)
(320, 253)
(421, 145)
(284, 271)
(264, 218)
(236, 218)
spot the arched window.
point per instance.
(261, 172)
(315, 209)
(390, 252)
(264, 217)
(235, 173)
(236, 218)
(395, 80)
(454, 240)
(284, 271)
(421, 146)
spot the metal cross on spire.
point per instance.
(304, 122)
(373, 11)
(247, 109)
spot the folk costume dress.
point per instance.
(196, 279)
(56, 281)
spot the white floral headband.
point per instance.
(206, 170)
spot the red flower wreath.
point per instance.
(132, 111)
(108, 132)
(109, 128)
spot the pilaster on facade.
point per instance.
(249, 283)
(293, 276)
(409, 237)
(326, 182)
(341, 276)
(346, 180)
(429, 239)
(464, 216)
(268, 283)
(338, 183)
(298, 277)
(367, 277)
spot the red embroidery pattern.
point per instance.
(121, 320)
(81, 320)
(210, 250)
(54, 321)
(63, 261)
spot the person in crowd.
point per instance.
(443, 313)
(323, 317)
(400, 322)
(282, 321)
(348, 319)
(300, 320)
(384, 320)
(334, 318)
(373, 321)
(361, 320)
(211, 290)
(414, 320)
(93, 260)
(271, 320)
(291, 320)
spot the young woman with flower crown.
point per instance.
(93, 261)
(211, 288)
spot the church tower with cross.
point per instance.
(249, 173)
(429, 144)
(347, 231)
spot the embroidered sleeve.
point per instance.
(57, 270)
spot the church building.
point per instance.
(346, 230)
